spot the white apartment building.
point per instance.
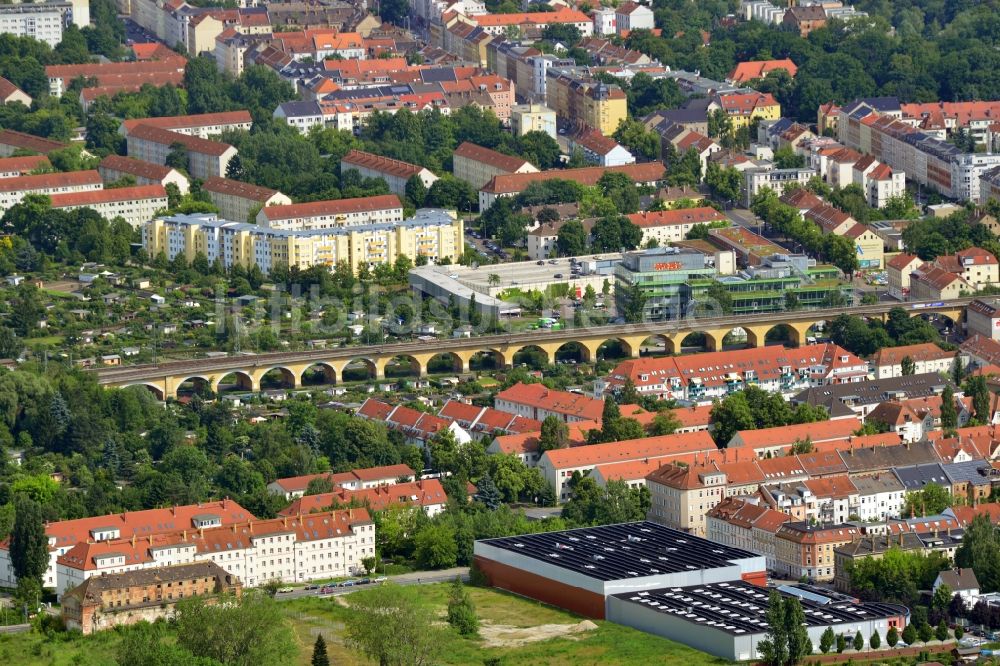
(201, 125)
(880, 497)
(382, 209)
(43, 21)
(136, 205)
(291, 549)
(13, 190)
(632, 16)
(115, 167)
(205, 158)
(395, 173)
(777, 179)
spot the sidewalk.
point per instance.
(416, 577)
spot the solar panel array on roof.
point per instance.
(627, 550)
(741, 608)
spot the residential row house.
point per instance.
(288, 549)
(205, 158)
(369, 477)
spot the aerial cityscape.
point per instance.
(517, 332)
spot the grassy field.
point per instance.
(507, 619)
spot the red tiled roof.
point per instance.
(7, 88)
(135, 193)
(167, 138)
(649, 447)
(191, 121)
(237, 188)
(560, 402)
(333, 207)
(30, 142)
(903, 261)
(24, 165)
(563, 15)
(477, 153)
(927, 351)
(98, 69)
(138, 168)
(831, 486)
(49, 180)
(821, 431)
(428, 492)
(663, 218)
(758, 69)
(517, 182)
(378, 163)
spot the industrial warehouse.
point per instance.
(666, 582)
(728, 619)
(579, 569)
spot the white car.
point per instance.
(285, 590)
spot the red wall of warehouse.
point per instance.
(543, 589)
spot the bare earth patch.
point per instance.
(506, 636)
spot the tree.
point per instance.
(909, 634)
(571, 239)
(554, 434)
(29, 546)
(827, 640)
(941, 600)
(725, 183)
(614, 233)
(925, 632)
(416, 191)
(488, 493)
(664, 423)
(892, 637)
(435, 547)
(859, 641)
(641, 142)
(774, 648)
(177, 158)
(245, 631)
(876, 640)
(390, 626)
(26, 309)
(930, 500)
(959, 632)
(908, 366)
(799, 644)
(319, 657)
(941, 632)
(10, 344)
(841, 643)
(977, 388)
(461, 610)
(319, 486)
(980, 551)
(949, 414)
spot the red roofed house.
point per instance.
(631, 16)
(509, 185)
(599, 149)
(203, 125)
(926, 357)
(700, 144)
(558, 465)
(476, 165)
(136, 205)
(496, 24)
(394, 172)
(205, 158)
(743, 107)
(758, 69)
(240, 202)
(741, 523)
(13, 190)
(334, 213)
(9, 93)
(12, 141)
(115, 167)
(66, 534)
(12, 167)
(369, 477)
(779, 440)
(536, 401)
(416, 426)
(118, 73)
(485, 420)
(428, 494)
(703, 377)
(898, 270)
(671, 226)
(256, 551)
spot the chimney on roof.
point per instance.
(150, 539)
(173, 510)
(133, 539)
(285, 521)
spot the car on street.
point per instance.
(285, 590)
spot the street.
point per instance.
(415, 578)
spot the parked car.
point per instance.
(285, 590)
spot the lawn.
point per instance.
(609, 643)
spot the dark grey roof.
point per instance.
(886, 457)
(959, 579)
(877, 483)
(976, 472)
(627, 550)
(874, 545)
(739, 608)
(875, 391)
(915, 477)
(301, 109)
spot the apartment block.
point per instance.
(476, 165)
(290, 549)
(239, 201)
(926, 357)
(510, 185)
(382, 209)
(431, 233)
(117, 74)
(42, 21)
(203, 125)
(206, 158)
(13, 190)
(12, 142)
(526, 118)
(136, 205)
(293, 487)
(806, 550)
(64, 535)
(12, 167)
(582, 100)
(671, 226)
(395, 173)
(115, 167)
(497, 24)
